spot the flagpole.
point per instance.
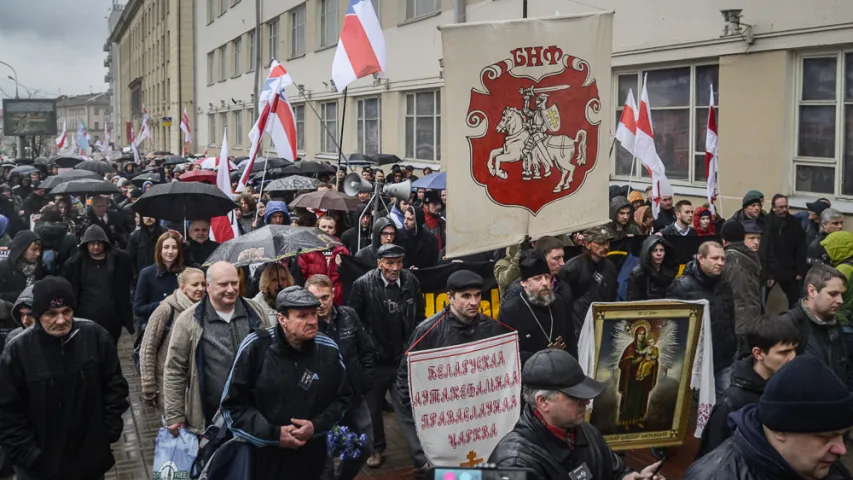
(343, 123)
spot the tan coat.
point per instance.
(181, 395)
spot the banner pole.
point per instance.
(343, 123)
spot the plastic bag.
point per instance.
(174, 456)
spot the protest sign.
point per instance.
(465, 398)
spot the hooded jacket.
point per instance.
(12, 279)
(620, 231)
(693, 284)
(121, 272)
(746, 388)
(421, 247)
(61, 403)
(749, 456)
(316, 263)
(743, 274)
(55, 236)
(115, 228)
(646, 282)
(9, 330)
(839, 249)
(367, 255)
(711, 230)
(141, 246)
(276, 207)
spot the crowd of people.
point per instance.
(275, 355)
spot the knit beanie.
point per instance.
(532, 263)
(752, 196)
(805, 396)
(52, 292)
(733, 231)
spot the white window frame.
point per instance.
(414, 116)
(297, 31)
(238, 127)
(326, 144)
(273, 27)
(252, 44)
(211, 72)
(238, 55)
(211, 129)
(640, 173)
(837, 161)
(412, 11)
(299, 120)
(361, 125)
(329, 18)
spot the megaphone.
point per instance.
(354, 184)
(401, 191)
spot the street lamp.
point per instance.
(13, 79)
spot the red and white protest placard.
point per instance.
(465, 398)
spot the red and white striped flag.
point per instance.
(225, 227)
(185, 127)
(133, 148)
(361, 48)
(645, 150)
(62, 139)
(626, 132)
(711, 154)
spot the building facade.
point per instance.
(154, 71)
(111, 64)
(92, 109)
(782, 78)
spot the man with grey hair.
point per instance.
(831, 220)
(552, 437)
(205, 339)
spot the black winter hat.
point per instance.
(804, 396)
(52, 292)
(532, 263)
(432, 196)
(733, 231)
(752, 196)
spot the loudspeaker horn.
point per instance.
(354, 184)
(401, 191)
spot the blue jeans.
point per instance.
(722, 379)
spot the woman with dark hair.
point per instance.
(158, 281)
(657, 269)
(247, 211)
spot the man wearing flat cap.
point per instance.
(389, 303)
(541, 319)
(287, 389)
(796, 431)
(591, 276)
(458, 323)
(552, 437)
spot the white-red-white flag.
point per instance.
(225, 227)
(711, 154)
(626, 131)
(62, 139)
(185, 127)
(133, 147)
(645, 150)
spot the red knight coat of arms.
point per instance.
(540, 140)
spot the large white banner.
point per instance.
(528, 128)
(465, 398)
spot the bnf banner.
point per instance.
(465, 398)
(528, 105)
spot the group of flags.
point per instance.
(636, 134)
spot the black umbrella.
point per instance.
(179, 201)
(307, 166)
(326, 200)
(96, 166)
(41, 161)
(7, 165)
(292, 184)
(272, 243)
(270, 163)
(271, 174)
(54, 180)
(386, 159)
(24, 161)
(174, 160)
(23, 170)
(357, 160)
(66, 161)
(152, 177)
(85, 187)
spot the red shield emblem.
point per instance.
(540, 111)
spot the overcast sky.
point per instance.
(55, 46)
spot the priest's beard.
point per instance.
(542, 298)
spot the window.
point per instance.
(97, 125)
(418, 8)
(223, 118)
(210, 6)
(823, 162)
(329, 23)
(211, 129)
(369, 126)
(222, 64)
(297, 32)
(299, 119)
(238, 128)
(251, 51)
(223, 6)
(210, 68)
(250, 117)
(97, 111)
(423, 125)
(679, 98)
(328, 127)
(238, 56)
(273, 36)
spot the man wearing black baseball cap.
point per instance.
(552, 437)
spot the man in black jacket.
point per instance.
(286, 390)
(360, 234)
(421, 247)
(786, 250)
(384, 233)
(100, 276)
(591, 276)
(342, 325)
(389, 303)
(22, 266)
(198, 246)
(62, 393)
(551, 437)
(796, 431)
(458, 323)
(831, 220)
(140, 245)
(703, 279)
(110, 221)
(772, 342)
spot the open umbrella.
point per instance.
(174, 160)
(271, 243)
(96, 166)
(433, 181)
(204, 176)
(386, 159)
(41, 161)
(85, 187)
(212, 163)
(269, 163)
(326, 200)
(309, 167)
(177, 201)
(271, 174)
(54, 180)
(66, 161)
(24, 161)
(153, 177)
(357, 160)
(23, 170)
(292, 184)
